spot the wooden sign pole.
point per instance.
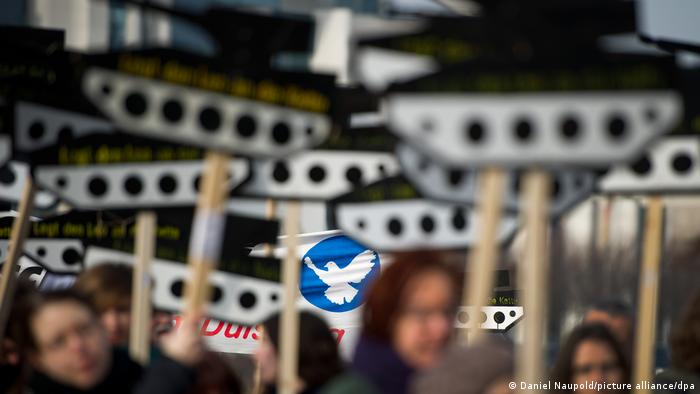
(648, 292)
(20, 229)
(479, 275)
(141, 311)
(532, 276)
(289, 335)
(207, 230)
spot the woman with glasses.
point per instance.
(408, 318)
(69, 351)
(592, 361)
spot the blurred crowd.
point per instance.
(75, 341)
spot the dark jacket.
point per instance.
(165, 376)
(379, 364)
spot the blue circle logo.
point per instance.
(335, 273)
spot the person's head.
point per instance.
(483, 368)
(591, 353)
(411, 306)
(319, 359)
(685, 338)
(616, 315)
(108, 286)
(65, 340)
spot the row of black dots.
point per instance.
(499, 317)
(571, 127)
(70, 256)
(317, 173)
(172, 111)
(247, 299)
(680, 162)
(98, 185)
(427, 223)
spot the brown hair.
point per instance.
(563, 370)
(106, 285)
(685, 338)
(386, 294)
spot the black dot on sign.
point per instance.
(71, 256)
(177, 288)
(463, 317)
(36, 130)
(617, 127)
(459, 219)
(354, 175)
(556, 188)
(382, 170)
(133, 185)
(216, 294)
(7, 175)
(499, 317)
(197, 181)
(512, 313)
(681, 163)
(172, 111)
(427, 125)
(273, 297)
(97, 186)
(484, 317)
(309, 131)
(210, 119)
(135, 104)
(642, 166)
(361, 224)
(475, 132)
(248, 300)
(281, 133)
(317, 174)
(167, 183)
(427, 223)
(280, 172)
(106, 89)
(394, 226)
(570, 128)
(523, 130)
(650, 114)
(65, 134)
(41, 251)
(455, 177)
(246, 126)
(61, 182)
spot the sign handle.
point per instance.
(141, 311)
(648, 292)
(533, 273)
(207, 230)
(20, 230)
(289, 335)
(478, 284)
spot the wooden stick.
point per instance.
(289, 336)
(482, 259)
(207, 230)
(532, 276)
(20, 229)
(270, 213)
(141, 311)
(648, 291)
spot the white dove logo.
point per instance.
(338, 279)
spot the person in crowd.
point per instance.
(14, 369)
(618, 317)
(591, 353)
(108, 286)
(684, 341)
(408, 319)
(483, 368)
(69, 351)
(320, 368)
